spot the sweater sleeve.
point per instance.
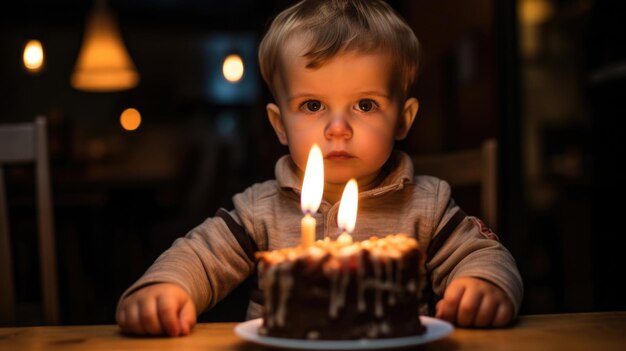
(208, 263)
(472, 250)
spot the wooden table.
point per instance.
(579, 331)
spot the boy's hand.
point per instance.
(157, 309)
(472, 302)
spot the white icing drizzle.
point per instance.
(360, 284)
(334, 287)
(285, 282)
(313, 335)
(378, 286)
(372, 332)
(267, 283)
(391, 297)
(340, 279)
(384, 328)
(399, 272)
(411, 286)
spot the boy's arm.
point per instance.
(208, 263)
(472, 250)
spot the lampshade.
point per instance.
(103, 63)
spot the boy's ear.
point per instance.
(411, 105)
(273, 113)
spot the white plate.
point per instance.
(435, 329)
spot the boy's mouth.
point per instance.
(338, 155)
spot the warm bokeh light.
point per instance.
(130, 119)
(33, 56)
(532, 15)
(233, 68)
(535, 11)
(313, 184)
(103, 64)
(346, 218)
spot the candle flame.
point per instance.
(313, 184)
(346, 219)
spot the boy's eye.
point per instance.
(311, 106)
(366, 105)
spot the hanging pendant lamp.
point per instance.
(103, 64)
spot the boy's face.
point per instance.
(347, 107)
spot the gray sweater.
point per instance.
(210, 261)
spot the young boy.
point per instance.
(340, 72)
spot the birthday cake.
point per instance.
(334, 290)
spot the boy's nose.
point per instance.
(338, 127)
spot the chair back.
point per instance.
(476, 166)
(27, 143)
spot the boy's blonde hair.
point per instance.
(329, 27)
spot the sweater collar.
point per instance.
(398, 170)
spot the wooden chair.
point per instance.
(465, 168)
(24, 143)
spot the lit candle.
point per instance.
(346, 218)
(312, 191)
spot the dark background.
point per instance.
(546, 78)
